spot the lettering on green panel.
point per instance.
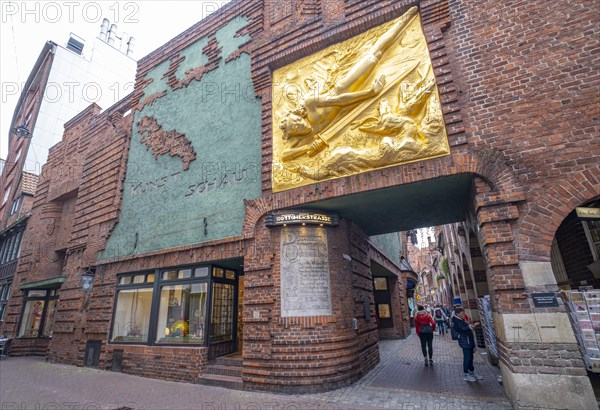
(195, 151)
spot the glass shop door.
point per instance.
(223, 316)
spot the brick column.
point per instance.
(308, 353)
(539, 356)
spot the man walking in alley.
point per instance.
(440, 319)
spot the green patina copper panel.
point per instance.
(195, 151)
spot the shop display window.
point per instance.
(182, 313)
(38, 313)
(380, 283)
(132, 315)
(171, 306)
(384, 311)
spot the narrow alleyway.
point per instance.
(400, 381)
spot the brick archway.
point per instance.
(501, 185)
(546, 213)
(255, 210)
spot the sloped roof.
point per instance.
(29, 183)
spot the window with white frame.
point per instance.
(4, 292)
(16, 204)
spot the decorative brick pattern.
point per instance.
(518, 87)
(163, 142)
(75, 205)
(253, 10)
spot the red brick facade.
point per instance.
(75, 206)
(518, 83)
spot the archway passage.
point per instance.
(484, 202)
(434, 202)
(401, 208)
(575, 260)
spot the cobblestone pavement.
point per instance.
(400, 381)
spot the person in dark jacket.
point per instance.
(466, 340)
(440, 319)
(425, 326)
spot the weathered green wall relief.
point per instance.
(195, 154)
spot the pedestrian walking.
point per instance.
(466, 340)
(440, 319)
(425, 326)
(448, 313)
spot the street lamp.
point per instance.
(21, 131)
(87, 279)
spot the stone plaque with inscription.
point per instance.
(305, 284)
(542, 300)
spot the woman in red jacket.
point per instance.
(425, 326)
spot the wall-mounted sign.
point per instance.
(301, 218)
(590, 214)
(305, 281)
(546, 299)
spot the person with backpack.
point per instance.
(463, 330)
(440, 319)
(448, 313)
(425, 326)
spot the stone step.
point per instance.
(228, 361)
(219, 380)
(224, 370)
(17, 351)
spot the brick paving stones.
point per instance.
(400, 381)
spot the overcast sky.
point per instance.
(26, 25)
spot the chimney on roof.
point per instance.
(104, 30)
(130, 46)
(124, 40)
(112, 34)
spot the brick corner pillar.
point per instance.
(539, 356)
(544, 366)
(309, 321)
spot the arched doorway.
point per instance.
(575, 259)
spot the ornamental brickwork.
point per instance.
(518, 87)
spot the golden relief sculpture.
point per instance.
(366, 103)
